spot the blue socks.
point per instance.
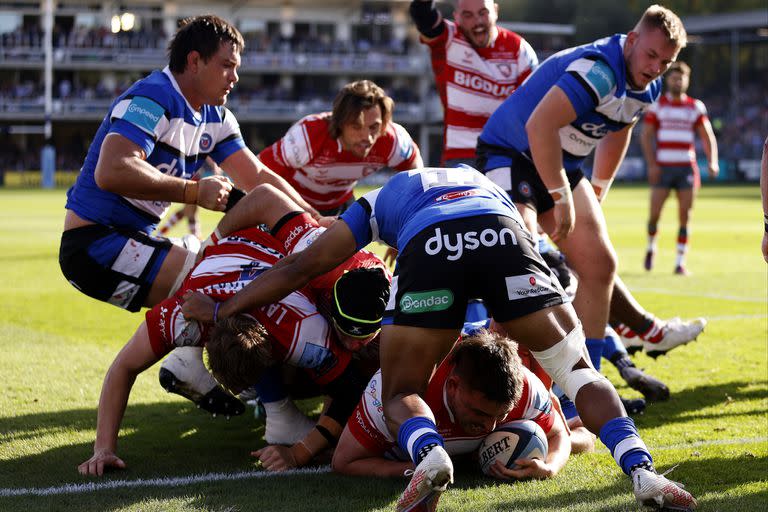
(418, 436)
(621, 437)
(595, 349)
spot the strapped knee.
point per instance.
(560, 359)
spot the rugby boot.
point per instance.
(648, 263)
(184, 373)
(659, 493)
(633, 406)
(680, 270)
(629, 339)
(652, 389)
(676, 333)
(430, 479)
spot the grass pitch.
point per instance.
(57, 345)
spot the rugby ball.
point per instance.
(520, 439)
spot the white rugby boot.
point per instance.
(676, 333)
(430, 479)
(184, 373)
(659, 493)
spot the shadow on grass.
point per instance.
(725, 395)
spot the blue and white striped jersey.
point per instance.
(414, 200)
(594, 78)
(153, 114)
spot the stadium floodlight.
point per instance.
(115, 24)
(127, 21)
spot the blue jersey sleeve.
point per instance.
(228, 138)
(587, 82)
(139, 119)
(359, 218)
(134, 134)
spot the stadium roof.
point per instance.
(726, 21)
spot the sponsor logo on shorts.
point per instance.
(470, 241)
(529, 285)
(205, 142)
(424, 302)
(450, 196)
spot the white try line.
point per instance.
(245, 475)
(736, 317)
(157, 482)
(735, 298)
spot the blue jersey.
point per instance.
(594, 78)
(414, 200)
(176, 139)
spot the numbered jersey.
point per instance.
(675, 121)
(301, 336)
(593, 77)
(473, 82)
(414, 200)
(368, 426)
(322, 171)
(154, 115)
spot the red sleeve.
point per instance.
(650, 118)
(168, 328)
(295, 233)
(270, 157)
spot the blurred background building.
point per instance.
(299, 52)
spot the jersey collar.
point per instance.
(167, 72)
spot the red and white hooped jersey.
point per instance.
(301, 335)
(298, 233)
(473, 82)
(368, 426)
(676, 122)
(322, 171)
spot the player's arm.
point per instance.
(282, 458)
(428, 20)
(330, 249)
(609, 154)
(543, 128)
(122, 169)
(135, 357)
(648, 145)
(352, 458)
(248, 171)
(708, 140)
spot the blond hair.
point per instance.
(667, 21)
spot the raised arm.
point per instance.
(543, 128)
(122, 169)
(428, 20)
(608, 157)
(135, 357)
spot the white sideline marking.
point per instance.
(664, 291)
(713, 442)
(735, 317)
(244, 475)
(156, 482)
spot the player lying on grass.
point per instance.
(349, 300)
(459, 238)
(290, 331)
(482, 384)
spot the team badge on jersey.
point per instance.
(205, 142)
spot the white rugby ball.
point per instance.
(520, 439)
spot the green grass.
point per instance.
(57, 344)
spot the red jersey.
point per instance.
(298, 233)
(675, 121)
(301, 336)
(473, 82)
(368, 426)
(322, 171)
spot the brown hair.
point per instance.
(667, 21)
(203, 34)
(355, 97)
(488, 362)
(239, 350)
(680, 67)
